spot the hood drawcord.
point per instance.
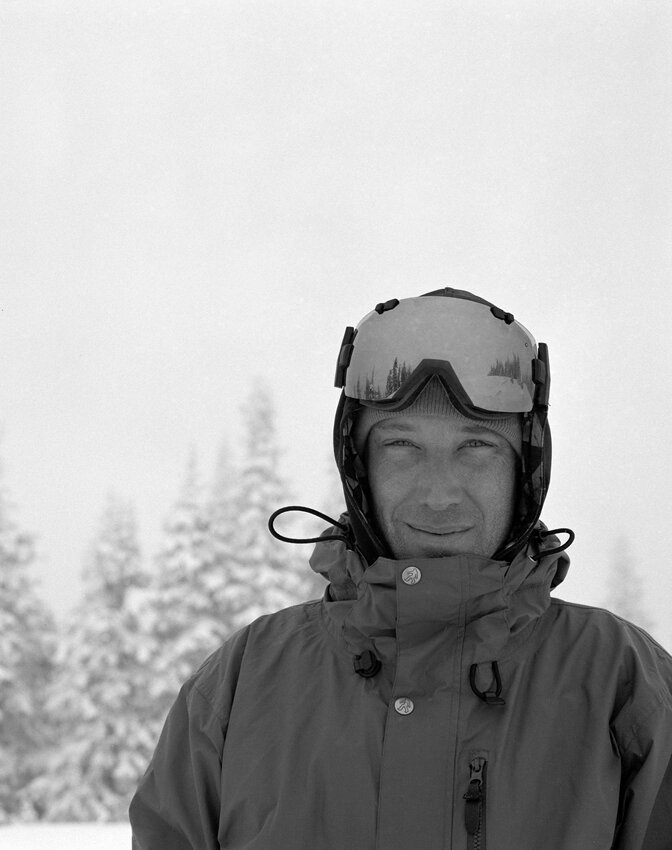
(490, 697)
(302, 509)
(541, 533)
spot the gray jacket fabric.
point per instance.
(277, 742)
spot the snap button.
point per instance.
(411, 575)
(403, 705)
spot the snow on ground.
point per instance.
(66, 836)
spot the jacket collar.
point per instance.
(491, 601)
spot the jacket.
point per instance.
(498, 718)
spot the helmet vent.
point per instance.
(387, 305)
(509, 318)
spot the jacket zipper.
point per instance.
(474, 807)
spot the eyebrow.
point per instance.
(391, 425)
(407, 427)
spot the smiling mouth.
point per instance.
(440, 532)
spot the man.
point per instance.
(436, 697)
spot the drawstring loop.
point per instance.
(490, 697)
(541, 534)
(301, 508)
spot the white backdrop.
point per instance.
(196, 193)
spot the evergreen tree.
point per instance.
(185, 615)
(626, 590)
(231, 591)
(393, 379)
(510, 368)
(27, 640)
(404, 373)
(276, 576)
(98, 702)
(372, 391)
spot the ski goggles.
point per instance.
(488, 360)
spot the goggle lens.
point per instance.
(492, 359)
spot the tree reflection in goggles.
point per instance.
(485, 356)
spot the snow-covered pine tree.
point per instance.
(185, 615)
(27, 642)
(101, 715)
(625, 588)
(231, 592)
(277, 575)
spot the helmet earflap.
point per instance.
(352, 467)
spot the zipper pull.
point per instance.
(473, 807)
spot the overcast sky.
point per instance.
(195, 193)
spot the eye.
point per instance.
(401, 443)
(477, 444)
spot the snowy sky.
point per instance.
(195, 193)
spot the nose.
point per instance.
(440, 486)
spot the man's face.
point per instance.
(441, 485)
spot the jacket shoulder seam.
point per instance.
(659, 700)
(210, 703)
(207, 693)
(563, 603)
